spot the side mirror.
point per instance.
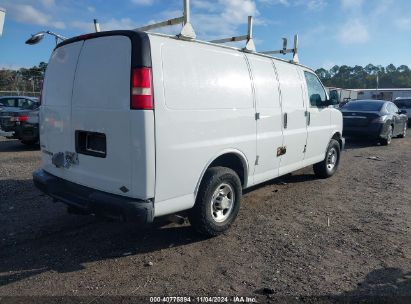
(331, 102)
(334, 95)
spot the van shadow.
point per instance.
(352, 143)
(44, 238)
(301, 176)
(68, 251)
(14, 145)
(385, 282)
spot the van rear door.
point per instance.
(101, 114)
(111, 141)
(55, 114)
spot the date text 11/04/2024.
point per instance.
(235, 299)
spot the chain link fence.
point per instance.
(20, 93)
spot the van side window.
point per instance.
(316, 92)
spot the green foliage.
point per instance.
(23, 80)
(359, 77)
(344, 76)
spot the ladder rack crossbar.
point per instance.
(169, 22)
(287, 51)
(232, 39)
(249, 37)
(284, 50)
(187, 32)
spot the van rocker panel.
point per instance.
(94, 201)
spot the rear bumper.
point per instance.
(94, 201)
(372, 130)
(28, 132)
(25, 131)
(6, 133)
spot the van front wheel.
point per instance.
(329, 165)
(218, 201)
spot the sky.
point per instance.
(331, 32)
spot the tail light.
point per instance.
(19, 118)
(141, 89)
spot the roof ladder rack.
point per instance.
(284, 50)
(187, 32)
(250, 46)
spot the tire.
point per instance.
(329, 165)
(404, 132)
(387, 141)
(218, 202)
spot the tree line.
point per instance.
(359, 77)
(23, 80)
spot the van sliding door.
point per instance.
(294, 120)
(268, 109)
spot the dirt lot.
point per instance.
(348, 235)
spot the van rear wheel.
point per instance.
(218, 201)
(329, 165)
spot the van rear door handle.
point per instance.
(308, 114)
(285, 120)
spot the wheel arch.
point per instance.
(338, 137)
(231, 158)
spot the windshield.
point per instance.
(363, 106)
(403, 103)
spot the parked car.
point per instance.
(144, 125)
(404, 103)
(19, 118)
(377, 119)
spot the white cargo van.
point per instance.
(144, 125)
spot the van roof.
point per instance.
(133, 34)
(230, 47)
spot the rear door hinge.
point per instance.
(257, 116)
(305, 149)
(256, 160)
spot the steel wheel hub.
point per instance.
(332, 157)
(222, 202)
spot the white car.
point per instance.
(144, 125)
(404, 103)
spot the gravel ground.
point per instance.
(295, 236)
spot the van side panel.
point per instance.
(269, 124)
(203, 105)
